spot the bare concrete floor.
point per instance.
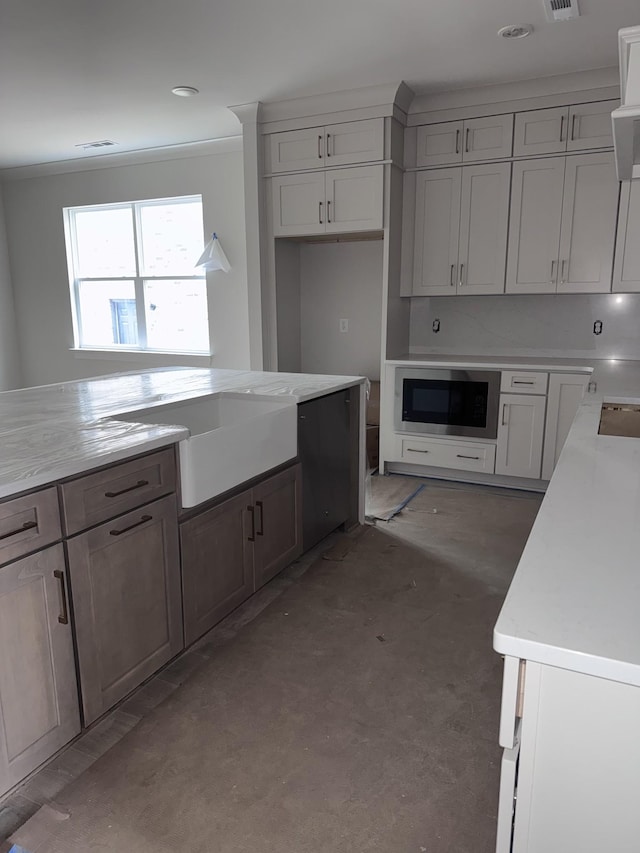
(357, 712)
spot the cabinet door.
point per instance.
(354, 199)
(298, 205)
(39, 710)
(484, 222)
(217, 564)
(590, 126)
(488, 138)
(296, 150)
(541, 132)
(125, 581)
(324, 447)
(439, 144)
(534, 226)
(277, 523)
(437, 225)
(587, 236)
(354, 142)
(566, 391)
(626, 275)
(520, 434)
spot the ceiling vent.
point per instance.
(561, 10)
(101, 143)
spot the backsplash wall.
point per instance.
(552, 325)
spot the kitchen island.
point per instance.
(106, 572)
(570, 634)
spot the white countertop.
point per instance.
(574, 600)
(569, 365)
(55, 431)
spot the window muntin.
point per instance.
(133, 280)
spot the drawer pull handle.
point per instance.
(138, 485)
(523, 382)
(319, 146)
(328, 145)
(63, 618)
(329, 211)
(466, 143)
(562, 128)
(573, 127)
(457, 141)
(463, 456)
(143, 520)
(28, 525)
(320, 213)
(415, 450)
(252, 510)
(260, 506)
(504, 414)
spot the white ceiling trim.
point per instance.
(203, 148)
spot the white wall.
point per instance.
(9, 362)
(341, 281)
(35, 236)
(554, 326)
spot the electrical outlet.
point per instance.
(597, 327)
(344, 325)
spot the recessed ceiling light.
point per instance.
(185, 91)
(516, 31)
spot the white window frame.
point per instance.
(71, 242)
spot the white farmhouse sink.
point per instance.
(234, 437)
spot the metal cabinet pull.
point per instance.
(143, 520)
(463, 456)
(461, 280)
(562, 128)
(320, 212)
(458, 141)
(328, 145)
(522, 382)
(28, 525)
(138, 485)
(466, 142)
(452, 282)
(319, 146)
(505, 406)
(416, 450)
(329, 211)
(252, 511)
(563, 274)
(260, 506)
(63, 618)
(552, 280)
(573, 127)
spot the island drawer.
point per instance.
(523, 382)
(462, 455)
(28, 524)
(98, 497)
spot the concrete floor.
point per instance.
(358, 711)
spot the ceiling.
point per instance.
(72, 71)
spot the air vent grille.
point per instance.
(101, 143)
(561, 10)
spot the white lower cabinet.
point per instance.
(571, 780)
(461, 455)
(566, 391)
(626, 273)
(520, 435)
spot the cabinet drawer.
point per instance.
(105, 494)
(463, 455)
(522, 382)
(28, 524)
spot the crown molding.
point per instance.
(203, 148)
(247, 113)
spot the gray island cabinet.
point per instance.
(104, 578)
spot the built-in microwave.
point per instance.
(440, 401)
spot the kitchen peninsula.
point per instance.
(106, 570)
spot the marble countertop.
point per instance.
(571, 365)
(55, 431)
(573, 601)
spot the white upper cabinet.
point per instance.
(484, 217)
(467, 142)
(319, 147)
(354, 199)
(562, 225)
(541, 132)
(534, 226)
(590, 126)
(587, 236)
(335, 201)
(520, 435)
(437, 228)
(626, 276)
(461, 230)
